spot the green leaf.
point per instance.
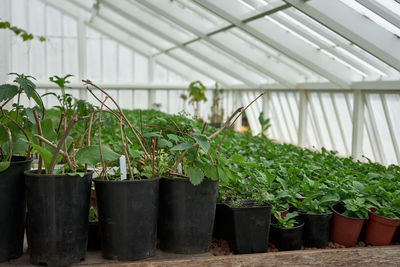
(203, 142)
(195, 175)
(211, 172)
(331, 198)
(173, 137)
(46, 155)
(222, 175)
(91, 155)
(182, 146)
(8, 91)
(81, 174)
(152, 134)
(4, 165)
(165, 143)
(27, 85)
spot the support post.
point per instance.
(237, 102)
(302, 129)
(82, 54)
(151, 93)
(358, 125)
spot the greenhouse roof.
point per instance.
(257, 43)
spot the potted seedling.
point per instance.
(127, 198)
(348, 220)
(58, 195)
(188, 192)
(287, 232)
(15, 157)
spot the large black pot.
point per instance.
(251, 228)
(287, 238)
(12, 208)
(186, 215)
(58, 210)
(128, 217)
(316, 230)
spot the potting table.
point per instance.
(366, 256)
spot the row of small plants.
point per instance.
(70, 143)
(76, 137)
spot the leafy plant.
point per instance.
(197, 93)
(288, 221)
(265, 124)
(25, 36)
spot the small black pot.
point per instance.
(58, 210)
(128, 218)
(251, 226)
(316, 229)
(94, 237)
(12, 208)
(186, 215)
(223, 225)
(287, 238)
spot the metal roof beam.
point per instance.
(353, 26)
(340, 41)
(288, 44)
(238, 55)
(129, 32)
(101, 26)
(382, 11)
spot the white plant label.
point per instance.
(122, 167)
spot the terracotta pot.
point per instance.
(345, 230)
(380, 229)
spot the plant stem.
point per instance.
(103, 165)
(123, 134)
(39, 128)
(73, 120)
(41, 138)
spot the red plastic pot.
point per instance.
(345, 230)
(380, 229)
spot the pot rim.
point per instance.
(316, 214)
(348, 217)
(98, 180)
(290, 228)
(183, 180)
(251, 207)
(383, 220)
(33, 174)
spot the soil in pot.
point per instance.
(128, 217)
(316, 229)
(286, 239)
(251, 226)
(187, 215)
(12, 208)
(345, 230)
(380, 230)
(58, 209)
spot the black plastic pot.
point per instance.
(251, 226)
(223, 225)
(58, 210)
(186, 215)
(287, 238)
(12, 208)
(316, 230)
(94, 237)
(128, 217)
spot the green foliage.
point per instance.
(289, 221)
(91, 155)
(197, 92)
(25, 36)
(265, 124)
